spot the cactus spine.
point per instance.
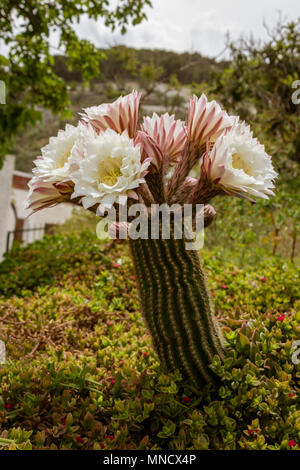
(176, 307)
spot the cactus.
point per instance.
(176, 307)
(111, 162)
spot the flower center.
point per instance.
(63, 159)
(111, 177)
(109, 171)
(239, 164)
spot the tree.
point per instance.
(30, 80)
(259, 85)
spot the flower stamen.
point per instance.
(239, 164)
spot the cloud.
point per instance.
(192, 25)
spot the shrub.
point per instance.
(81, 372)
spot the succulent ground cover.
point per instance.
(81, 372)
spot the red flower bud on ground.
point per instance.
(132, 277)
(224, 286)
(116, 265)
(79, 440)
(292, 443)
(250, 432)
(263, 279)
(187, 399)
(145, 354)
(9, 406)
(102, 446)
(110, 437)
(280, 317)
(291, 395)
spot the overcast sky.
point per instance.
(194, 25)
(188, 25)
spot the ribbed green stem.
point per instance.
(176, 307)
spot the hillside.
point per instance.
(166, 79)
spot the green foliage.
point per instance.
(25, 269)
(244, 232)
(81, 372)
(125, 63)
(28, 73)
(257, 85)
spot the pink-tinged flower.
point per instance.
(132, 277)
(291, 395)
(209, 214)
(119, 116)
(46, 194)
(263, 279)
(224, 286)
(292, 443)
(239, 164)
(118, 230)
(145, 354)
(207, 120)
(280, 317)
(168, 134)
(150, 150)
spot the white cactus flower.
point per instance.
(240, 164)
(111, 168)
(55, 163)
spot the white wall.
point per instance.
(6, 175)
(51, 215)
